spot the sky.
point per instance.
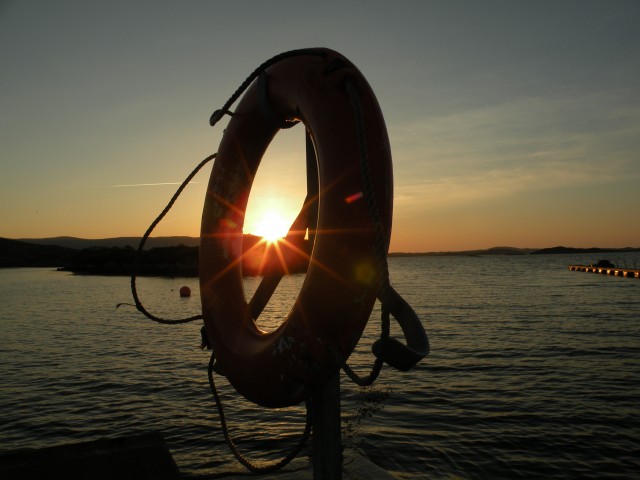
(511, 123)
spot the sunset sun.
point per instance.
(271, 226)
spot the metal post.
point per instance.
(325, 399)
(327, 444)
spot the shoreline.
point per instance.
(183, 261)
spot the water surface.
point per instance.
(533, 371)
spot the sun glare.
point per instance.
(271, 226)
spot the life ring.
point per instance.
(277, 369)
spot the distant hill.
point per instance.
(561, 250)
(179, 255)
(79, 243)
(161, 242)
(472, 253)
(516, 251)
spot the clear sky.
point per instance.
(511, 122)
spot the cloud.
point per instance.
(528, 144)
(496, 183)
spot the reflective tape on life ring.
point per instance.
(278, 368)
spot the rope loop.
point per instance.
(143, 240)
(218, 114)
(378, 362)
(248, 464)
(379, 239)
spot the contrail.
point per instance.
(142, 185)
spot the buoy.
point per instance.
(185, 291)
(336, 105)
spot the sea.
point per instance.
(534, 372)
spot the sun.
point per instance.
(271, 226)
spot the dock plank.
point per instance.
(141, 457)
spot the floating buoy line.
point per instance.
(607, 270)
(347, 215)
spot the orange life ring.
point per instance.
(277, 368)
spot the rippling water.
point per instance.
(533, 371)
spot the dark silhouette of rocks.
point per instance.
(176, 261)
(14, 253)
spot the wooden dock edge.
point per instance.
(147, 457)
(140, 457)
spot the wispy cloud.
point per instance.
(127, 185)
(496, 183)
(522, 145)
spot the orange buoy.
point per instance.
(185, 291)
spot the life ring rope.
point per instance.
(218, 114)
(386, 349)
(249, 465)
(136, 264)
(266, 121)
